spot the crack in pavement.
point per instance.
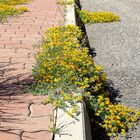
(29, 108)
(21, 134)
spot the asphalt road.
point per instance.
(117, 47)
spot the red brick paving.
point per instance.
(22, 116)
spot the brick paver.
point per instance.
(22, 116)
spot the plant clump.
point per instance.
(14, 2)
(63, 66)
(65, 2)
(116, 119)
(7, 8)
(67, 74)
(88, 17)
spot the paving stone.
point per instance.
(12, 75)
(44, 135)
(9, 135)
(12, 67)
(2, 51)
(12, 109)
(18, 60)
(25, 78)
(2, 46)
(5, 59)
(8, 80)
(27, 98)
(1, 73)
(41, 110)
(4, 99)
(26, 123)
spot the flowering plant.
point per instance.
(64, 67)
(88, 17)
(114, 118)
(66, 2)
(7, 8)
(69, 75)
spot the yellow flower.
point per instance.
(79, 98)
(117, 117)
(123, 132)
(88, 93)
(99, 100)
(74, 110)
(86, 80)
(98, 68)
(97, 114)
(100, 97)
(96, 17)
(102, 104)
(67, 97)
(114, 129)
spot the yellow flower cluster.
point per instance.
(62, 61)
(65, 2)
(69, 75)
(116, 118)
(97, 17)
(14, 2)
(63, 65)
(7, 8)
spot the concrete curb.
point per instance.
(71, 128)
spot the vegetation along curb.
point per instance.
(71, 78)
(73, 129)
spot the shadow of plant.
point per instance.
(14, 107)
(84, 41)
(8, 87)
(8, 92)
(114, 92)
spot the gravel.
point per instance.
(117, 47)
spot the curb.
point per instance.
(73, 129)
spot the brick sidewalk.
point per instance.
(22, 116)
